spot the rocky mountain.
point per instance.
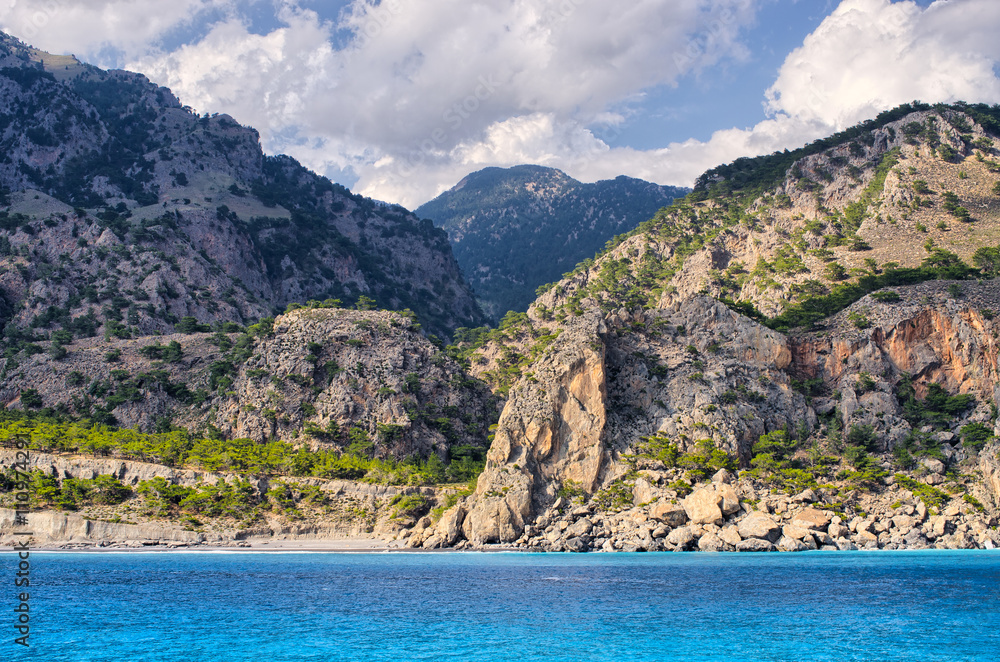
(122, 210)
(801, 354)
(313, 374)
(517, 228)
(865, 390)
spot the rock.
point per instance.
(722, 476)
(759, 526)
(450, 526)
(807, 496)
(642, 492)
(865, 538)
(787, 544)
(434, 542)
(682, 538)
(703, 506)
(796, 532)
(903, 522)
(755, 545)
(810, 518)
(660, 531)
(492, 521)
(934, 465)
(939, 526)
(671, 514)
(576, 545)
(581, 527)
(730, 500)
(837, 531)
(731, 535)
(711, 543)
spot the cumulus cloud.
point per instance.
(422, 87)
(89, 28)
(409, 96)
(866, 57)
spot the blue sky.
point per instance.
(399, 99)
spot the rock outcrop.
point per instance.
(550, 436)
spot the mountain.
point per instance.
(800, 354)
(825, 320)
(515, 229)
(122, 210)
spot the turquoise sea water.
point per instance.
(477, 607)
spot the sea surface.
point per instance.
(829, 606)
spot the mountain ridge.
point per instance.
(106, 167)
(514, 229)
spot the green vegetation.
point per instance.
(245, 457)
(932, 497)
(940, 265)
(700, 464)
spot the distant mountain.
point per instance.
(122, 210)
(515, 229)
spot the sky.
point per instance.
(400, 99)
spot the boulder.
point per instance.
(731, 535)
(806, 496)
(759, 526)
(787, 544)
(810, 518)
(711, 543)
(576, 545)
(682, 538)
(933, 465)
(730, 500)
(704, 506)
(450, 526)
(722, 476)
(754, 545)
(796, 532)
(903, 522)
(582, 527)
(671, 514)
(642, 491)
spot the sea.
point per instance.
(216, 606)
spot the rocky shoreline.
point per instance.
(731, 515)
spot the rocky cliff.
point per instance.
(886, 396)
(311, 376)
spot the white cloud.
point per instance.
(866, 57)
(418, 93)
(430, 85)
(89, 27)
(870, 55)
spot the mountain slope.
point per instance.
(122, 209)
(628, 386)
(515, 229)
